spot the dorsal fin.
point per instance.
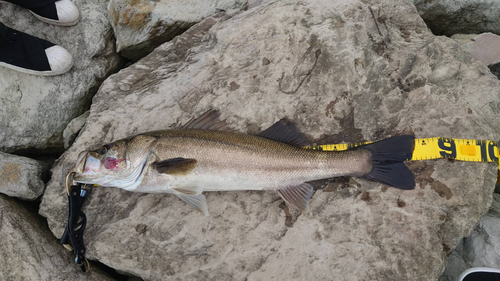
(285, 131)
(208, 121)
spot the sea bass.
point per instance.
(206, 155)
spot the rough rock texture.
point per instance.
(481, 248)
(31, 252)
(448, 17)
(484, 47)
(142, 25)
(341, 76)
(35, 110)
(69, 134)
(20, 177)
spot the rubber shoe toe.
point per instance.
(67, 12)
(60, 60)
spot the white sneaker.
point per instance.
(28, 54)
(62, 12)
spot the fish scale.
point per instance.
(250, 162)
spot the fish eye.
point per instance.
(103, 150)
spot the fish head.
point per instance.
(113, 164)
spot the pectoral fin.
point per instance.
(175, 166)
(197, 201)
(297, 196)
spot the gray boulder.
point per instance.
(484, 47)
(343, 71)
(31, 252)
(36, 110)
(142, 25)
(481, 248)
(448, 17)
(20, 177)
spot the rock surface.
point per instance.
(484, 47)
(69, 134)
(341, 75)
(31, 252)
(20, 177)
(481, 248)
(36, 110)
(142, 25)
(448, 17)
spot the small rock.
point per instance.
(142, 25)
(20, 177)
(69, 134)
(484, 47)
(31, 252)
(448, 17)
(480, 249)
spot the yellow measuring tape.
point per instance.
(435, 148)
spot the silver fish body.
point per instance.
(232, 161)
(188, 161)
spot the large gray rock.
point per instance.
(481, 248)
(20, 177)
(484, 47)
(142, 25)
(341, 75)
(448, 17)
(36, 110)
(31, 252)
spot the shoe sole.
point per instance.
(36, 72)
(47, 20)
(477, 269)
(55, 22)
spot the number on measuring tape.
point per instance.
(449, 148)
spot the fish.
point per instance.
(207, 155)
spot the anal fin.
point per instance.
(197, 201)
(297, 196)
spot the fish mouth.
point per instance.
(86, 164)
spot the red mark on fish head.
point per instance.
(111, 163)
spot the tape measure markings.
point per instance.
(469, 150)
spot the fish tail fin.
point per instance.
(388, 158)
